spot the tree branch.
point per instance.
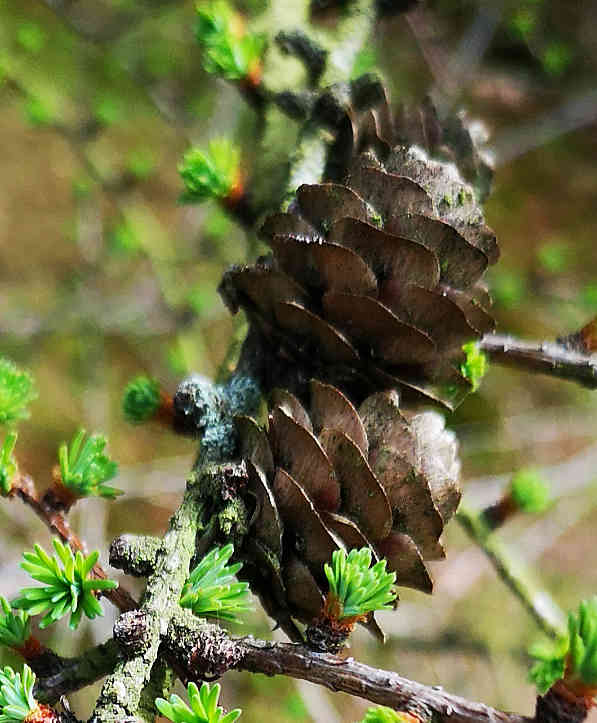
(209, 650)
(378, 686)
(543, 358)
(71, 674)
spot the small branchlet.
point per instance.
(17, 702)
(211, 174)
(355, 590)
(144, 399)
(17, 390)
(8, 464)
(204, 706)
(475, 365)
(67, 585)
(571, 661)
(387, 715)
(229, 50)
(85, 469)
(212, 590)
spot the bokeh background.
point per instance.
(103, 276)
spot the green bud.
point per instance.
(141, 399)
(529, 491)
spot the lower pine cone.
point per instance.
(554, 707)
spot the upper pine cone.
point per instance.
(334, 476)
(375, 283)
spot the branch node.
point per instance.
(131, 632)
(135, 554)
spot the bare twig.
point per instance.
(543, 358)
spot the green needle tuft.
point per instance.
(16, 695)
(204, 706)
(212, 590)
(228, 49)
(15, 628)
(85, 469)
(356, 588)
(16, 392)
(572, 658)
(210, 174)
(67, 585)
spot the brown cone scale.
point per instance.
(329, 475)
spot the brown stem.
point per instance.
(24, 488)
(495, 515)
(559, 706)
(542, 357)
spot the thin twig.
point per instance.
(542, 357)
(24, 488)
(532, 600)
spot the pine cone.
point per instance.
(374, 283)
(333, 476)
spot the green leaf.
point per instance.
(212, 590)
(204, 706)
(67, 585)
(8, 464)
(85, 469)
(356, 587)
(529, 491)
(475, 365)
(16, 392)
(211, 174)
(16, 695)
(141, 399)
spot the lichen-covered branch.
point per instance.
(542, 609)
(543, 358)
(210, 410)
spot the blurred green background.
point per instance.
(103, 276)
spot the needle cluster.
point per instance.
(85, 469)
(229, 50)
(16, 392)
(15, 627)
(573, 658)
(17, 702)
(212, 589)
(356, 588)
(211, 174)
(67, 585)
(204, 706)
